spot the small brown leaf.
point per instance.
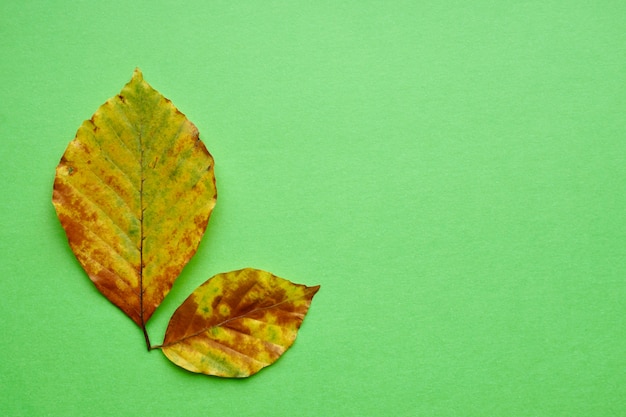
(237, 323)
(134, 191)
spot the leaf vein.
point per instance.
(119, 138)
(121, 279)
(97, 206)
(236, 351)
(130, 209)
(223, 323)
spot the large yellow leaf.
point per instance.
(134, 191)
(237, 323)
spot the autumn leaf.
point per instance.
(134, 191)
(236, 323)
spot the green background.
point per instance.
(452, 173)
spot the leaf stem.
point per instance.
(145, 335)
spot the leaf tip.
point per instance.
(137, 74)
(313, 290)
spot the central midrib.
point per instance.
(141, 230)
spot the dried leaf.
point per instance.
(134, 192)
(237, 323)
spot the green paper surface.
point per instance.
(451, 173)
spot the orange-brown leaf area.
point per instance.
(134, 191)
(237, 323)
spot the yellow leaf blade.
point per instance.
(237, 323)
(134, 191)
